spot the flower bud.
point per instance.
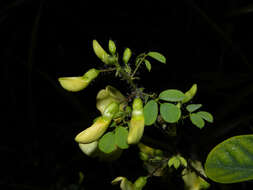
(146, 149)
(190, 93)
(127, 55)
(143, 156)
(140, 182)
(100, 52)
(112, 47)
(136, 127)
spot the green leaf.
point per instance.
(193, 107)
(182, 161)
(172, 95)
(157, 56)
(171, 161)
(148, 65)
(125, 184)
(150, 112)
(121, 134)
(176, 163)
(206, 116)
(107, 143)
(170, 113)
(231, 161)
(197, 120)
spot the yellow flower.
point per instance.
(75, 84)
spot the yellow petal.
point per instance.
(73, 84)
(94, 132)
(125, 184)
(89, 149)
(106, 96)
(136, 130)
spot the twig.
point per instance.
(199, 173)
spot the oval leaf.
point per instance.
(176, 163)
(107, 143)
(170, 113)
(171, 161)
(121, 134)
(148, 65)
(150, 112)
(172, 95)
(157, 56)
(231, 161)
(206, 116)
(197, 120)
(193, 107)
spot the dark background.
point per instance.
(205, 42)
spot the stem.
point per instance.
(107, 70)
(138, 65)
(126, 76)
(199, 174)
(162, 163)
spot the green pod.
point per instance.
(140, 182)
(112, 47)
(94, 132)
(127, 55)
(136, 127)
(190, 93)
(146, 149)
(75, 84)
(143, 156)
(100, 52)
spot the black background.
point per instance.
(205, 42)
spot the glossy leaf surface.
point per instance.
(231, 161)
(157, 56)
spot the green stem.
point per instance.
(107, 70)
(125, 76)
(138, 65)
